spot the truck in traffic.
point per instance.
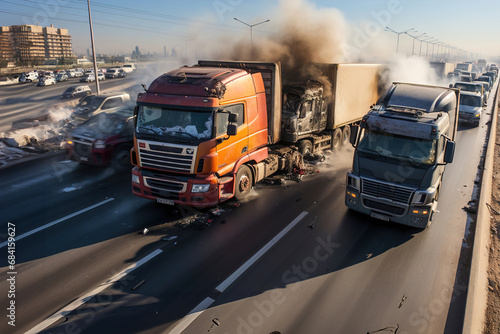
(209, 132)
(401, 148)
(442, 68)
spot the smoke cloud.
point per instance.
(304, 35)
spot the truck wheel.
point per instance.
(336, 139)
(121, 159)
(243, 182)
(305, 146)
(346, 134)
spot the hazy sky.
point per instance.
(194, 26)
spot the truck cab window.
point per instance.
(306, 108)
(222, 117)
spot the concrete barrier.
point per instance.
(477, 293)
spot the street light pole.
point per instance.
(427, 50)
(93, 52)
(251, 29)
(415, 38)
(423, 40)
(398, 33)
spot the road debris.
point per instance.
(492, 209)
(313, 223)
(390, 329)
(217, 211)
(402, 301)
(215, 322)
(145, 231)
(138, 285)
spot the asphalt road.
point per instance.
(325, 270)
(28, 100)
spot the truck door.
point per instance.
(231, 149)
(312, 117)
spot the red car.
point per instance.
(103, 139)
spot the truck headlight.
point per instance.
(424, 197)
(99, 144)
(200, 188)
(353, 181)
(135, 179)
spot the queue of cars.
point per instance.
(42, 77)
(474, 93)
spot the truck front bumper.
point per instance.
(177, 190)
(415, 216)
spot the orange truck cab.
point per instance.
(198, 131)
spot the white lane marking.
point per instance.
(88, 296)
(198, 310)
(192, 315)
(38, 229)
(234, 276)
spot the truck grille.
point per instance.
(167, 157)
(395, 210)
(82, 146)
(386, 191)
(165, 185)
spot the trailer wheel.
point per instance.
(346, 134)
(243, 182)
(336, 139)
(305, 146)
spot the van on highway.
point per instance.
(129, 68)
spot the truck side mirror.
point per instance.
(232, 129)
(136, 111)
(354, 134)
(449, 151)
(233, 118)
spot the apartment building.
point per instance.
(33, 43)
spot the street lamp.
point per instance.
(251, 29)
(398, 33)
(93, 52)
(434, 41)
(424, 40)
(414, 38)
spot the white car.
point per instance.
(28, 76)
(129, 68)
(471, 106)
(45, 81)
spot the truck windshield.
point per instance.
(398, 147)
(469, 100)
(174, 123)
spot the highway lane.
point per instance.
(57, 264)
(27, 100)
(349, 274)
(372, 264)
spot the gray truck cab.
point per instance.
(401, 148)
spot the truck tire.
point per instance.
(243, 182)
(305, 146)
(346, 134)
(336, 139)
